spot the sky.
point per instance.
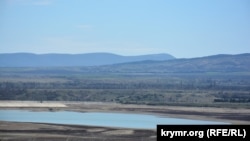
(182, 28)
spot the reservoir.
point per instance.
(123, 120)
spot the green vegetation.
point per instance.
(189, 89)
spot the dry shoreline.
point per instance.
(39, 131)
(23, 131)
(29, 104)
(230, 115)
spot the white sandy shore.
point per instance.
(29, 104)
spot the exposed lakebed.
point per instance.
(106, 119)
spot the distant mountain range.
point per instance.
(105, 62)
(216, 63)
(68, 60)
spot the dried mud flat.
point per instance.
(230, 115)
(14, 131)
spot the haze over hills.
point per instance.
(110, 63)
(67, 60)
(215, 63)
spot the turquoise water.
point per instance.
(123, 120)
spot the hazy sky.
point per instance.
(182, 28)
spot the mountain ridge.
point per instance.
(67, 60)
(214, 63)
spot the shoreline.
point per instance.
(22, 131)
(228, 115)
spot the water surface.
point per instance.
(124, 120)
